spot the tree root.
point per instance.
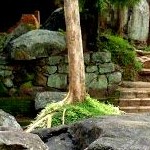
(47, 113)
(63, 117)
(36, 123)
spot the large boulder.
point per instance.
(19, 140)
(138, 26)
(113, 132)
(37, 44)
(43, 98)
(21, 29)
(12, 136)
(57, 138)
(7, 120)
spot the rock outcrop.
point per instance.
(125, 132)
(13, 137)
(37, 44)
(15, 140)
(7, 120)
(138, 26)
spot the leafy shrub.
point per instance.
(122, 54)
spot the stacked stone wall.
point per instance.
(51, 73)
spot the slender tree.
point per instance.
(148, 40)
(77, 90)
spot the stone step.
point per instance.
(144, 75)
(144, 71)
(142, 53)
(136, 84)
(145, 61)
(144, 78)
(136, 109)
(129, 93)
(134, 102)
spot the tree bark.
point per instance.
(121, 21)
(77, 89)
(148, 40)
(101, 23)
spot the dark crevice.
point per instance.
(11, 11)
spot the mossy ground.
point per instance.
(22, 106)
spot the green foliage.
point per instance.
(102, 5)
(89, 108)
(122, 53)
(81, 5)
(3, 37)
(124, 3)
(27, 85)
(147, 49)
(23, 106)
(29, 77)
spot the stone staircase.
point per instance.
(135, 96)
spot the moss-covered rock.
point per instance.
(37, 44)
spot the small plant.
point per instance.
(70, 113)
(89, 108)
(122, 54)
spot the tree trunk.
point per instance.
(121, 21)
(101, 23)
(77, 89)
(148, 40)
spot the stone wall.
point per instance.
(51, 73)
(6, 77)
(101, 75)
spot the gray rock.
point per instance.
(37, 44)
(51, 69)
(43, 98)
(102, 57)
(7, 120)
(106, 68)
(58, 81)
(126, 132)
(114, 78)
(55, 60)
(8, 82)
(17, 140)
(90, 69)
(18, 31)
(61, 142)
(86, 58)
(138, 27)
(113, 132)
(50, 136)
(100, 82)
(64, 68)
